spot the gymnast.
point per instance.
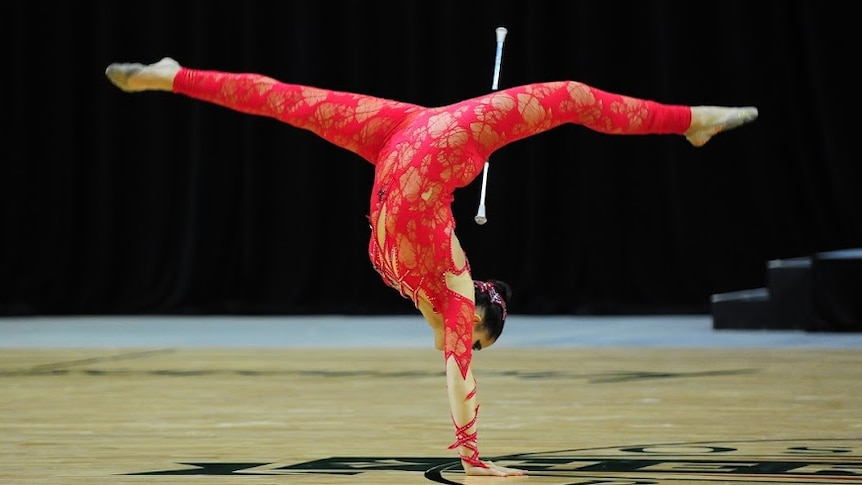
(420, 156)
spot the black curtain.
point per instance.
(116, 203)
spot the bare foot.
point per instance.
(708, 121)
(135, 77)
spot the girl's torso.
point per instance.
(413, 244)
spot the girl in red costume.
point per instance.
(421, 156)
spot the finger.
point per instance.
(505, 471)
(491, 471)
(513, 471)
(510, 471)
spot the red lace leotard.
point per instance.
(421, 156)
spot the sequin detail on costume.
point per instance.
(493, 295)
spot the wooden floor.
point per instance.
(302, 416)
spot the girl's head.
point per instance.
(491, 305)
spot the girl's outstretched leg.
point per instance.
(522, 111)
(356, 122)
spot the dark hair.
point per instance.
(494, 318)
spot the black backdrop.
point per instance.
(116, 203)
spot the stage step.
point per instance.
(789, 283)
(818, 293)
(837, 291)
(743, 309)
